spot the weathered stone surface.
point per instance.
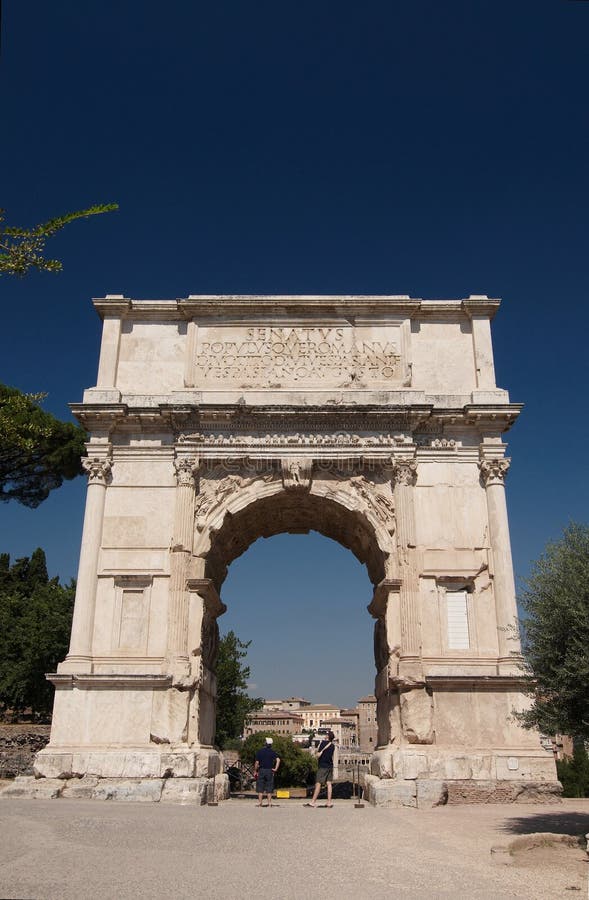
(503, 792)
(80, 788)
(53, 765)
(381, 762)
(185, 790)
(540, 792)
(412, 765)
(142, 790)
(196, 790)
(417, 716)
(30, 788)
(178, 765)
(431, 793)
(208, 763)
(379, 792)
(118, 763)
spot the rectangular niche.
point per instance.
(458, 634)
(131, 614)
(457, 623)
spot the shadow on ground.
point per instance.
(573, 823)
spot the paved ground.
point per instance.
(86, 849)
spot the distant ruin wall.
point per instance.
(18, 746)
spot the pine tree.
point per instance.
(37, 451)
(233, 702)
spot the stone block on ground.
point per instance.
(29, 788)
(140, 789)
(185, 790)
(80, 788)
(431, 793)
(386, 792)
(53, 765)
(538, 792)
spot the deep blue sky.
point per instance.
(434, 149)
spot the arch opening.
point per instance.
(301, 600)
(293, 512)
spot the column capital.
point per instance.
(186, 468)
(404, 470)
(98, 469)
(493, 471)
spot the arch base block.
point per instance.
(425, 777)
(196, 791)
(162, 762)
(426, 793)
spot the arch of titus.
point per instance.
(374, 420)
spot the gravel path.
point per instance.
(86, 849)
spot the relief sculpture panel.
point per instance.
(295, 355)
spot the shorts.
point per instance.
(324, 773)
(265, 781)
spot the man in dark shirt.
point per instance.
(265, 767)
(324, 775)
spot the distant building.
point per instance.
(343, 729)
(314, 714)
(353, 728)
(276, 721)
(290, 703)
(367, 724)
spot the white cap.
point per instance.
(269, 741)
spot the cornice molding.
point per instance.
(117, 681)
(191, 420)
(252, 305)
(481, 682)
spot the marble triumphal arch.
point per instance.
(219, 419)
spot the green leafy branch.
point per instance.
(22, 249)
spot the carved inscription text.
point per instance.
(274, 356)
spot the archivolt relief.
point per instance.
(215, 493)
(233, 510)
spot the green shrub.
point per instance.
(574, 773)
(297, 766)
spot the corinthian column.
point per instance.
(80, 652)
(493, 473)
(404, 477)
(186, 471)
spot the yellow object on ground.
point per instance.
(282, 795)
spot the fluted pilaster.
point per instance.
(79, 657)
(404, 478)
(186, 468)
(493, 472)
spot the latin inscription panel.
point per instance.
(299, 355)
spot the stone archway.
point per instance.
(233, 511)
(374, 420)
